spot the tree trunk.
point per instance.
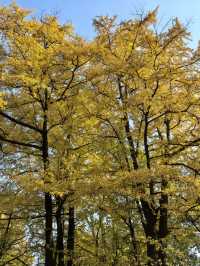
(71, 237)
(49, 260)
(49, 248)
(60, 233)
(163, 224)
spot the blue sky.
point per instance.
(81, 12)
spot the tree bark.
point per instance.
(49, 260)
(71, 237)
(60, 233)
(49, 248)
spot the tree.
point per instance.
(146, 92)
(41, 77)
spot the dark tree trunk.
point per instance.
(150, 230)
(71, 237)
(49, 260)
(49, 248)
(60, 233)
(163, 224)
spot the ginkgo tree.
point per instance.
(145, 86)
(41, 79)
